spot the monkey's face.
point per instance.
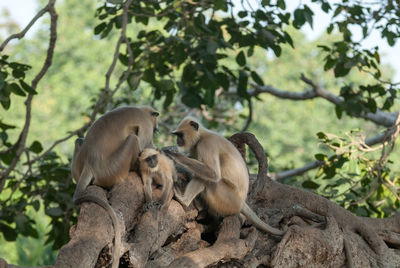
(153, 115)
(187, 134)
(148, 159)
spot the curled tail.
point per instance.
(117, 227)
(257, 222)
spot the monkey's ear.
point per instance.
(194, 124)
(155, 114)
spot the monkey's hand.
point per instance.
(150, 205)
(170, 151)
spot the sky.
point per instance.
(22, 11)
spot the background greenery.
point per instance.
(287, 129)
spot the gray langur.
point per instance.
(157, 167)
(109, 150)
(221, 174)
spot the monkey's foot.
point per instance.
(151, 205)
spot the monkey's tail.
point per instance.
(115, 222)
(256, 221)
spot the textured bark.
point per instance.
(317, 230)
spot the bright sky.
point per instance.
(22, 12)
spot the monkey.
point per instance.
(221, 174)
(154, 165)
(108, 152)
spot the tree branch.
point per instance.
(26, 29)
(315, 164)
(47, 63)
(379, 118)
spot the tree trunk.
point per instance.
(319, 232)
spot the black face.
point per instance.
(179, 138)
(152, 161)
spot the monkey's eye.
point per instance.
(178, 134)
(155, 114)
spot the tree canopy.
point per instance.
(326, 111)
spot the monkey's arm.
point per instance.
(200, 169)
(147, 180)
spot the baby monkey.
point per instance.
(157, 167)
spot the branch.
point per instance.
(379, 118)
(27, 28)
(110, 70)
(47, 63)
(249, 117)
(315, 164)
(106, 90)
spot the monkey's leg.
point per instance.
(83, 182)
(77, 165)
(119, 163)
(147, 181)
(194, 187)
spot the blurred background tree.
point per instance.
(232, 63)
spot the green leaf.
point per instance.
(14, 87)
(281, 4)
(191, 100)
(241, 58)
(310, 184)
(338, 111)
(299, 18)
(54, 212)
(36, 147)
(242, 14)
(27, 87)
(9, 233)
(5, 103)
(99, 28)
(2, 81)
(321, 157)
(5, 126)
(322, 136)
(325, 7)
(257, 78)
(371, 104)
(36, 205)
(340, 70)
(308, 15)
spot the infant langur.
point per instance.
(157, 167)
(221, 173)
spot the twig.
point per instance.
(26, 29)
(249, 117)
(28, 102)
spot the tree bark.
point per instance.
(319, 232)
